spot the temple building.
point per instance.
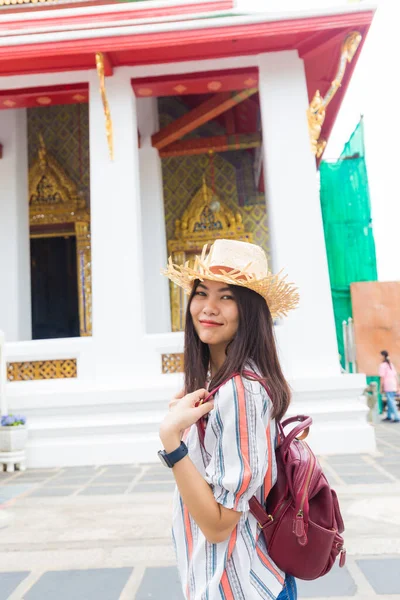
(131, 131)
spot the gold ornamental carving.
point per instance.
(53, 197)
(106, 107)
(54, 201)
(171, 363)
(317, 110)
(42, 369)
(206, 219)
(83, 255)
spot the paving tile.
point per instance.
(155, 488)
(90, 584)
(42, 471)
(338, 582)
(10, 581)
(157, 581)
(29, 479)
(80, 470)
(394, 471)
(116, 479)
(382, 574)
(168, 477)
(345, 459)
(52, 491)
(356, 479)
(120, 469)
(81, 478)
(68, 481)
(100, 490)
(7, 492)
(355, 470)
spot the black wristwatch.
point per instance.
(170, 459)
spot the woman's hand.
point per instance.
(183, 412)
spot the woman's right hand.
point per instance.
(184, 412)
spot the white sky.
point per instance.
(374, 92)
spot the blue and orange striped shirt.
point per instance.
(238, 461)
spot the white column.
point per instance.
(15, 278)
(117, 272)
(307, 337)
(156, 288)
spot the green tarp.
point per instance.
(346, 213)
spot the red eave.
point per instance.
(45, 96)
(175, 46)
(182, 10)
(318, 41)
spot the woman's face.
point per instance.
(215, 313)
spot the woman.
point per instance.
(389, 385)
(229, 329)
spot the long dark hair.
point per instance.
(386, 358)
(254, 341)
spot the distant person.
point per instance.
(389, 385)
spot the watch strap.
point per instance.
(175, 456)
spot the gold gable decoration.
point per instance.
(53, 201)
(53, 197)
(206, 219)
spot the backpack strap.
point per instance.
(300, 432)
(200, 423)
(259, 512)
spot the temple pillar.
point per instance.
(15, 269)
(156, 287)
(297, 239)
(116, 236)
(306, 338)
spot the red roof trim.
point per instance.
(112, 15)
(196, 83)
(187, 36)
(77, 93)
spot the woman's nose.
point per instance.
(210, 307)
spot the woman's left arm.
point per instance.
(215, 521)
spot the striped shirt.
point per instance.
(238, 461)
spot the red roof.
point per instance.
(318, 40)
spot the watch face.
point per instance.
(165, 462)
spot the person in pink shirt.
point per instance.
(389, 385)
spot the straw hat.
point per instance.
(237, 263)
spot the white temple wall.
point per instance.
(307, 336)
(156, 288)
(110, 413)
(117, 251)
(15, 290)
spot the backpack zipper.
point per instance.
(298, 522)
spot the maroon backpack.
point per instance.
(301, 520)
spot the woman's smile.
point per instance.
(207, 323)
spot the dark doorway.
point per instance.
(55, 312)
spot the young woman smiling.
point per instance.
(229, 331)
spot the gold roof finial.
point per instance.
(207, 195)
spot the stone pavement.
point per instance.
(103, 533)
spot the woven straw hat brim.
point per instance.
(280, 295)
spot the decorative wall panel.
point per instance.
(231, 176)
(65, 131)
(171, 363)
(182, 178)
(42, 369)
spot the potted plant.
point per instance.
(13, 433)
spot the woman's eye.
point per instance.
(227, 298)
(199, 294)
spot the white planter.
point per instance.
(13, 438)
